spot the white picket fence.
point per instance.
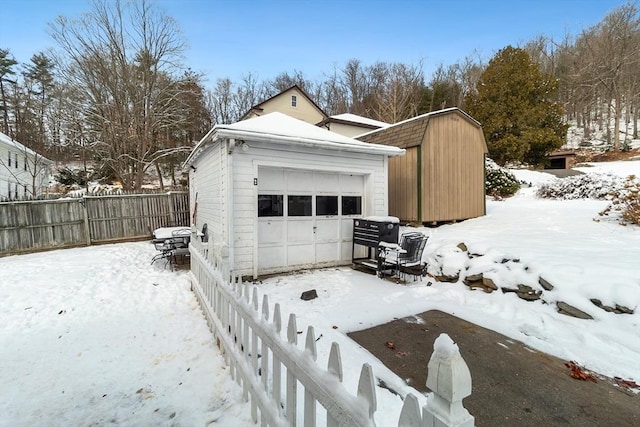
(269, 368)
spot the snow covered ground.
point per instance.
(97, 336)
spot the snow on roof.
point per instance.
(21, 148)
(282, 129)
(359, 119)
(432, 113)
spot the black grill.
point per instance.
(370, 233)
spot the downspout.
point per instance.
(230, 201)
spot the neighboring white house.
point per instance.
(351, 125)
(279, 194)
(23, 172)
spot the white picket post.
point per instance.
(277, 372)
(264, 365)
(410, 415)
(367, 389)
(309, 400)
(450, 380)
(292, 382)
(334, 366)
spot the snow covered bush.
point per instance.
(499, 181)
(625, 204)
(587, 186)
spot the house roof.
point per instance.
(6, 139)
(258, 107)
(409, 133)
(278, 128)
(562, 153)
(354, 120)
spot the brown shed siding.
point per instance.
(441, 178)
(452, 170)
(403, 187)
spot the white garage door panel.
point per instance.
(300, 254)
(271, 257)
(346, 228)
(326, 183)
(299, 182)
(271, 232)
(327, 252)
(300, 231)
(351, 184)
(271, 180)
(327, 229)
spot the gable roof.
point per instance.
(278, 128)
(354, 120)
(409, 133)
(6, 139)
(258, 107)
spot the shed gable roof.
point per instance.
(410, 132)
(259, 107)
(280, 128)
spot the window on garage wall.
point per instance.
(299, 206)
(326, 205)
(270, 205)
(351, 205)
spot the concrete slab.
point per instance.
(513, 385)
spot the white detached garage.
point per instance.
(278, 194)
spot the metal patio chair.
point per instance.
(403, 258)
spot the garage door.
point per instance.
(305, 218)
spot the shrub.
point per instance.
(625, 205)
(70, 177)
(587, 186)
(499, 182)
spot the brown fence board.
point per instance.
(49, 224)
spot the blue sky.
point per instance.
(231, 38)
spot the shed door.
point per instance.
(305, 217)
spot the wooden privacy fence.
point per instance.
(270, 368)
(51, 224)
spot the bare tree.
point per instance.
(612, 50)
(123, 62)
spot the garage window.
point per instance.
(270, 205)
(299, 205)
(351, 205)
(326, 205)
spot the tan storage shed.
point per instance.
(441, 177)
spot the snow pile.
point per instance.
(588, 186)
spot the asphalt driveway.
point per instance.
(513, 385)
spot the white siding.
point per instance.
(18, 174)
(208, 182)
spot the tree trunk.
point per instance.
(635, 122)
(157, 165)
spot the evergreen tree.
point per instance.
(7, 62)
(515, 102)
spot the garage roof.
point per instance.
(279, 128)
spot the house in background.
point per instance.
(23, 172)
(441, 177)
(293, 102)
(351, 125)
(278, 194)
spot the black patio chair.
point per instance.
(403, 258)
